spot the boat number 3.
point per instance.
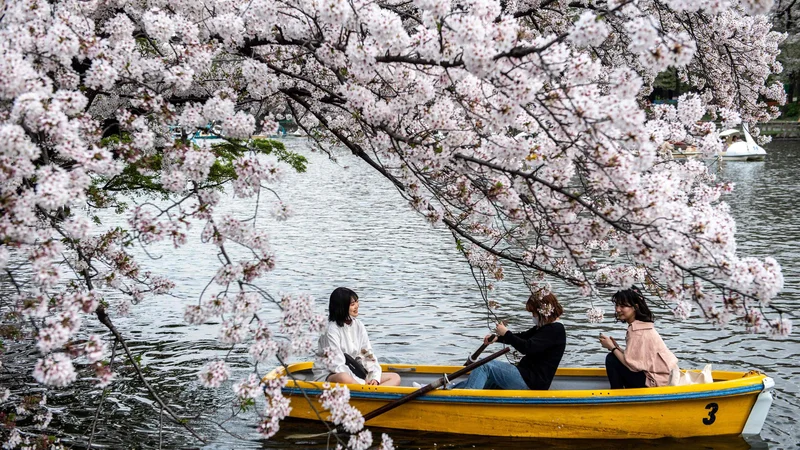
(712, 413)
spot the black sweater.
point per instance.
(543, 348)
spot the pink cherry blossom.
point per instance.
(594, 315)
(277, 407)
(247, 389)
(94, 349)
(214, 374)
(386, 442)
(336, 400)
(55, 370)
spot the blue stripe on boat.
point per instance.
(546, 401)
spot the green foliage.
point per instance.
(247, 404)
(133, 179)
(233, 149)
(142, 178)
(268, 146)
(791, 110)
(666, 80)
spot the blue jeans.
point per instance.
(494, 375)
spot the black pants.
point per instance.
(620, 377)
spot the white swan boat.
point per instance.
(738, 150)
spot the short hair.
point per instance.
(633, 297)
(339, 306)
(545, 306)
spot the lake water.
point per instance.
(420, 304)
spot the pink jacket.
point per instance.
(645, 351)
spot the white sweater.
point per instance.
(351, 339)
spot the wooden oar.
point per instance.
(407, 398)
(433, 386)
(474, 357)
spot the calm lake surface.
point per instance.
(420, 304)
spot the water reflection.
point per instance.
(407, 440)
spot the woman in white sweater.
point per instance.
(346, 335)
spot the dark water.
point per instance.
(420, 305)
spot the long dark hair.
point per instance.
(633, 297)
(339, 306)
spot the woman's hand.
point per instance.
(373, 382)
(607, 342)
(501, 329)
(489, 339)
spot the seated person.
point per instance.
(646, 360)
(543, 346)
(346, 334)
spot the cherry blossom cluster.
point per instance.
(386, 442)
(336, 399)
(368, 359)
(32, 408)
(214, 374)
(277, 407)
(594, 315)
(360, 441)
(251, 172)
(545, 310)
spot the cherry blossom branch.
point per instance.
(106, 320)
(692, 271)
(102, 396)
(356, 149)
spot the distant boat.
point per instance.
(206, 137)
(738, 150)
(679, 150)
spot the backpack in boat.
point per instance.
(355, 366)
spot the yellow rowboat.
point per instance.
(579, 405)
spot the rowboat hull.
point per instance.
(736, 403)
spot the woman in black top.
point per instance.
(543, 346)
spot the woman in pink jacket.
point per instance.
(646, 361)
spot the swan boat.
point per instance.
(579, 405)
(746, 150)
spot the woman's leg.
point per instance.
(620, 377)
(477, 378)
(390, 379)
(634, 380)
(494, 375)
(503, 375)
(613, 371)
(343, 378)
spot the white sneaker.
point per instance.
(417, 385)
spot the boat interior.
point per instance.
(566, 378)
